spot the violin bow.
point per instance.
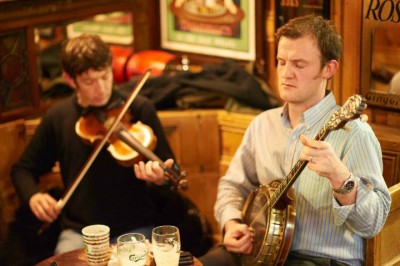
(71, 189)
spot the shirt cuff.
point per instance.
(230, 214)
(342, 212)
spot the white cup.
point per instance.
(96, 239)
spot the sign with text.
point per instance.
(380, 55)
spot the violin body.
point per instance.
(129, 143)
(91, 129)
(124, 153)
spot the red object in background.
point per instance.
(126, 63)
(121, 55)
(139, 62)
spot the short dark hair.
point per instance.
(328, 39)
(84, 52)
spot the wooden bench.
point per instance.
(384, 248)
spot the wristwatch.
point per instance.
(347, 186)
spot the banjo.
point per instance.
(270, 211)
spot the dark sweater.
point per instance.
(109, 193)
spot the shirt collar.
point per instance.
(315, 113)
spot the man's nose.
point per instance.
(100, 86)
(287, 71)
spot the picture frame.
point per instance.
(226, 29)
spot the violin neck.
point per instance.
(125, 136)
(173, 174)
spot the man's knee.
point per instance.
(219, 256)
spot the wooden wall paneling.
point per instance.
(190, 134)
(385, 117)
(261, 63)
(146, 29)
(389, 138)
(391, 167)
(12, 137)
(232, 126)
(269, 35)
(19, 86)
(393, 119)
(15, 15)
(335, 83)
(347, 16)
(33, 66)
(194, 139)
(203, 191)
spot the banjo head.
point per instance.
(270, 226)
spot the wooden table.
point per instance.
(78, 258)
(75, 257)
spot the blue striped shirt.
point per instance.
(269, 150)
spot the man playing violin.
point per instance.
(341, 197)
(109, 193)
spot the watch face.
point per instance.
(347, 187)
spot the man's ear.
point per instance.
(330, 69)
(69, 80)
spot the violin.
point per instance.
(128, 143)
(91, 127)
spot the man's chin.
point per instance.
(99, 103)
(285, 95)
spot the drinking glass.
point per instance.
(131, 249)
(166, 245)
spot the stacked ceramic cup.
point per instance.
(96, 239)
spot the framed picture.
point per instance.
(224, 28)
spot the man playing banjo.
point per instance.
(340, 196)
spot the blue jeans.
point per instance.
(71, 240)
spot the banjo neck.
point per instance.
(294, 173)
